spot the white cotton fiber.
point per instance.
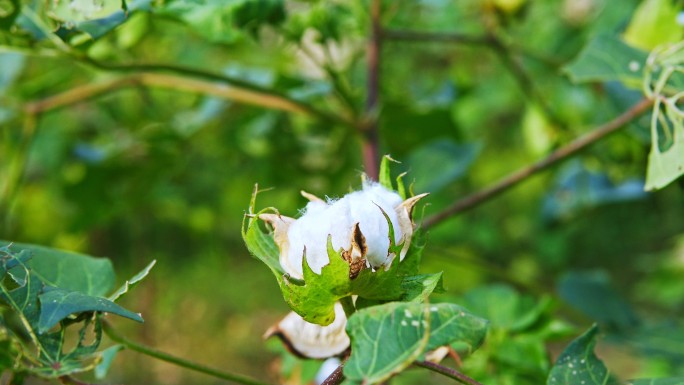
(337, 218)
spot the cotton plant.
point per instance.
(364, 226)
(347, 264)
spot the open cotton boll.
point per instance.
(309, 234)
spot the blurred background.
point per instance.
(141, 172)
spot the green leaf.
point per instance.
(24, 299)
(419, 287)
(67, 270)
(315, 299)
(107, 357)
(504, 307)
(217, 20)
(262, 246)
(132, 282)
(664, 167)
(654, 23)
(388, 284)
(10, 259)
(388, 338)
(440, 162)
(592, 293)
(607, 58)
(99, 27)
(57, 304)
(578, 364)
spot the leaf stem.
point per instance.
(522, 174)
(348, 306)
(446, 371)
(237, 378)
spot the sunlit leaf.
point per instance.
(654, 23)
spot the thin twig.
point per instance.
(557, 156)
(446, 371)
(237, 378)
(195, 73)
(336, 377)
(370, 124)
(89, 91)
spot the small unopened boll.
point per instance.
(357, 224)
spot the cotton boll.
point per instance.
(367, 208)
(337, 219)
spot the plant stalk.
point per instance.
(237, 378)
(369, 127)
(522, 174)
(348, 306)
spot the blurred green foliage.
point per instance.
(147, 172)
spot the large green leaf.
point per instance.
(578, 364)
(440, 162)
(608, 58)
(67, 270)
(654, 23)
(57, 304)
(24, 299)
(388, 338)
(592, 293)
(504, 307)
